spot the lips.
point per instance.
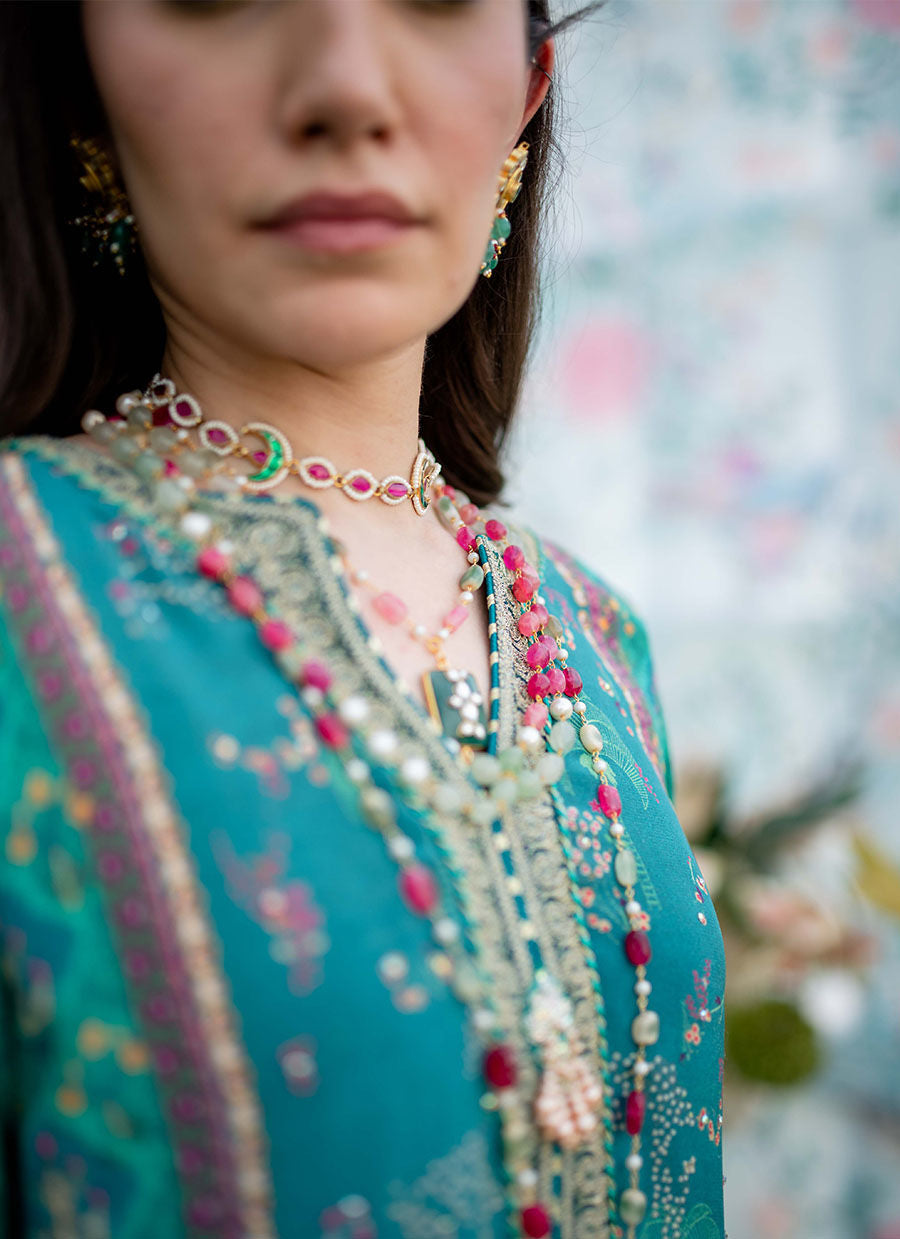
(343, 223)
(372, 205)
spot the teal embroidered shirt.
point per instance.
(218, 1017)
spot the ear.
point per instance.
(541, 73)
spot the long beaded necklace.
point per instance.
(569, 1096)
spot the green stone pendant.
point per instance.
(456, 705)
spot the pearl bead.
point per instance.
(401, 847)
(446, 931)
(414, 770)
(530, 738)
(312, 696)
(633, 908)
(561, 708)
(443, 633)
(195, 525)
(357, 770)
(354, 710)
(634, 1161)
(484, 1019)
(563, 654)
(420, 631)
(579, 707)
(382, 743)
(126, 402)
(616, 829)
(527, 1178)
(641, 1067)
(642, 988)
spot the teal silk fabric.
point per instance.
(219, 1018)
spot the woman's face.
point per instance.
(379, 125)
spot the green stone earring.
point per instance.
(508, 189)
(108, 227)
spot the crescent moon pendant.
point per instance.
(280, 457)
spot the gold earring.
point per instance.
(509, 186)
(108, 228)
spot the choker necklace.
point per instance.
(275, 460)
(573, 1102)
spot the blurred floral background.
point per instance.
(713, 423)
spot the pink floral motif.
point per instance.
(591, 860)
(284, 908)
(297, 1059)
(698, 1009)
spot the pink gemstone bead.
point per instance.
(361, 484)
(315, 674)
(454, 618)
(537, 655)
(540, 612)
(538, 685)
(183, 408)
(468, 513)
(536, 715)
(528, 623)
(637, 947)
(419, 889)
(170, 469)
(523, 588)
(557, 680)
(500, 1067)
(552, 648)
(609, 800)
(320, 472)
(398, 490)
(465, 538)
(244, 595)
(276, 635)
(573, 682)
(635, 1109)
(212, 562)
(332, 731)
(535, 1222)
(390, 607)
(513, 557)
(449, 491)
(495, 530)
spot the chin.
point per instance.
(340, 328)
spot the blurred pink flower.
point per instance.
(604, 366)
(882, 13)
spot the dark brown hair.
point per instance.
(73, 336)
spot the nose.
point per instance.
(339, 73)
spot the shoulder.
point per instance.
(596, 602)
(600, 619)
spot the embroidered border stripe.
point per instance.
(179, 993)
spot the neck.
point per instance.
(362, 417)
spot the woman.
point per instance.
(324, 912)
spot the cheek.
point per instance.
(467, 137)
(176, 135)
